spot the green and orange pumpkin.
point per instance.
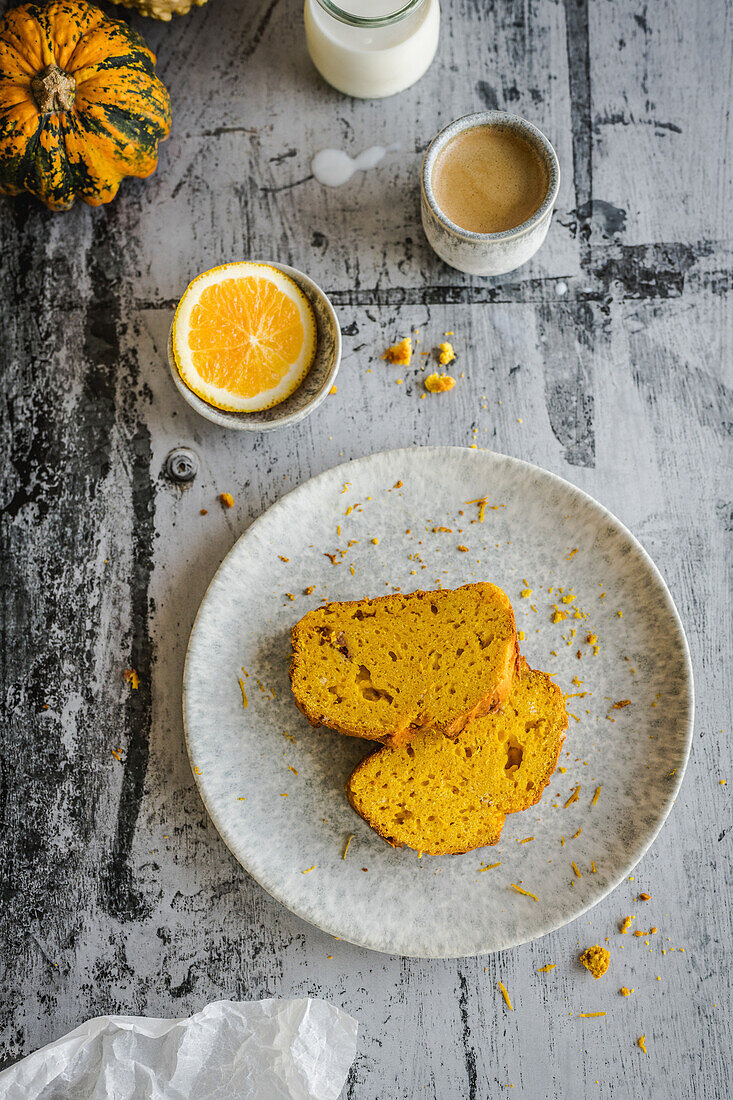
(80, 104)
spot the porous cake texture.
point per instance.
(384, 669)
(443, 796)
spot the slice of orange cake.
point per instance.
(442, 796)
(386, 668)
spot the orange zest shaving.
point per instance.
(482, 503)
(573, 797)
(527, 893)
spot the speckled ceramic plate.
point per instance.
(275, 787)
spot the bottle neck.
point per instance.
(354, 12)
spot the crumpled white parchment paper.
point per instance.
(258, 1050)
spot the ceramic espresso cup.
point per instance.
(487, 253)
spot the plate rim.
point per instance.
(674, 789)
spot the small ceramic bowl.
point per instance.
(311, 392)
(487, 253)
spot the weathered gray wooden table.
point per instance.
(606, 360)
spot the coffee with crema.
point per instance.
(489, 179)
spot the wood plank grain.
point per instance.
(607, 360)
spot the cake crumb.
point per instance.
(625, 991)
(596, 959)
(227, 500)
(625, 925)
(400, 354)
(447, 354)
(131, 677)
(547, 968)
(439, 383)
(641, 1043)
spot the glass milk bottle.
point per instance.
(372, 48)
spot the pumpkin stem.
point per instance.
(54, 90)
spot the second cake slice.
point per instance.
(442, 797)
(386, 668)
